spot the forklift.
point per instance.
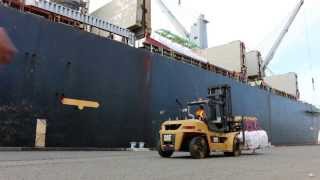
(218, 132)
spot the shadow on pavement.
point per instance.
(217, 156)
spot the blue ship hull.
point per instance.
(137, 90)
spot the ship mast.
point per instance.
(282, 34)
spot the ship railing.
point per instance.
(240, 77)
(268, 88)
(189, 60)
(72, 17)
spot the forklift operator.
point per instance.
(200, 113)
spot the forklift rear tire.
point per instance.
(165, 154)
(198, 147)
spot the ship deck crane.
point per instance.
(282, 34)
(179, 27)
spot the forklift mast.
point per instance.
(220, 108)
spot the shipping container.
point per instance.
(284, 82)
(124, 13)
(229, 56)
(178, 48)
(254, 61)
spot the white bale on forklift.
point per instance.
(254, 136)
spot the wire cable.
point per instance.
(309, 54)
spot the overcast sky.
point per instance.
(257, 23)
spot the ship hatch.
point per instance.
(41, 130)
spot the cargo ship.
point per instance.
(89, 90)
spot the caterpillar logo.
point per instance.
(81, 104)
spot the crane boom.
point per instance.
(276, 44)
(179, 27)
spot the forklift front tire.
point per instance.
(236, 148)
(198, 147)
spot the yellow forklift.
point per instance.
(218, 132)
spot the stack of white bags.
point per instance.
(255, 139)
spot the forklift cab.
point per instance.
(218, 110)
(193, 106)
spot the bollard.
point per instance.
(133, 145)
(141, 145)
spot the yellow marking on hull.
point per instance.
(81, 104)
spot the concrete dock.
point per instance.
(283, 163)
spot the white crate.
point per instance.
(284, 82)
